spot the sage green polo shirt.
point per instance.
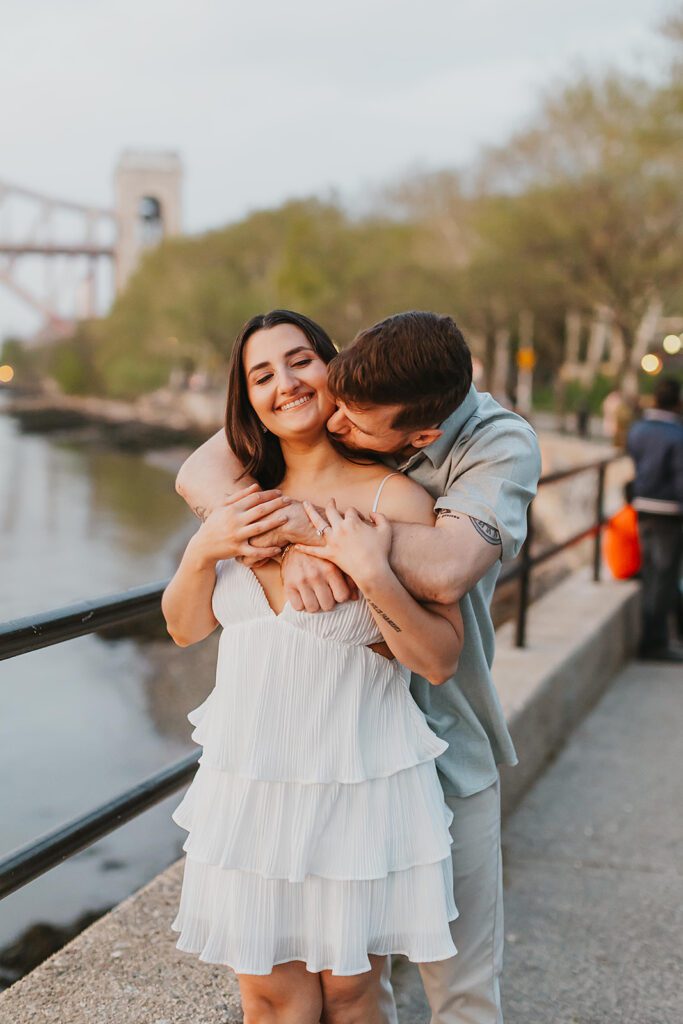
(486, 464)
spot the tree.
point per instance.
(598, 207)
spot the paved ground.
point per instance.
(594, 870)
(593, 883)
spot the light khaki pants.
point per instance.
(466, 988)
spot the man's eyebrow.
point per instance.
(291, 352)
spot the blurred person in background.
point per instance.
(655, 443)
(618, 415)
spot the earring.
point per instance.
(264, 428)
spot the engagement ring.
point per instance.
(322, 529)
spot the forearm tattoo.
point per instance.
(489, 533)
(384, 615)
(445, 513)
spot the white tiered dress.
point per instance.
(317, 826)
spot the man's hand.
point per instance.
(313, 584)
(297, 529)
(360, 548)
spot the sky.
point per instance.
(266, 101)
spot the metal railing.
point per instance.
(526, 561)
(30, 634)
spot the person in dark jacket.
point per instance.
(655, 443)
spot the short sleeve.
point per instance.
(496, 479)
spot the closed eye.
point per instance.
(267, 376)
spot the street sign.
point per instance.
(526, 358)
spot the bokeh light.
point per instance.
(651, 363)
(6, 373)
(672, 344)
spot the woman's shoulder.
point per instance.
(404, 500)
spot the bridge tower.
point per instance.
(147, 186)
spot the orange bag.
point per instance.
(621, 546)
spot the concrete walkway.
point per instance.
(594, 870)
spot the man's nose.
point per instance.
(335, 424)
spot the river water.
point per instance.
(83, 720)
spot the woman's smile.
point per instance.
(295, 403)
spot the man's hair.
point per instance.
(417, 360)
(667, 394)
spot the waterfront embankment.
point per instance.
(158, 420)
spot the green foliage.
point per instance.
(72, 363)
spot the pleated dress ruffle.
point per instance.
(317, 828)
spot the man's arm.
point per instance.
(210, 475)
(441, 563)
(481, 518)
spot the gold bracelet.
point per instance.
(285, 552)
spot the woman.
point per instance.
(318, 834)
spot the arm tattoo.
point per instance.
(200, 512)
(489, 533)
(384, 615)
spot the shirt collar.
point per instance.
(663, 415)
(438, 450)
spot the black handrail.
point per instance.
(26, 863)
(29, 634)
(20, 636)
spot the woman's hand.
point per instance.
(359, 549)
(227, 531)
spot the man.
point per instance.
(655, 444)
(403, 389)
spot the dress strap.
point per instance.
(381, 488)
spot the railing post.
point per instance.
(599, 516)
(525, 579)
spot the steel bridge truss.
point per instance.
(50, 254)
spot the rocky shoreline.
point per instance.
(162, 419)
(39, 942)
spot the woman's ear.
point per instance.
(422, 438)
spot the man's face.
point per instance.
(370, 429)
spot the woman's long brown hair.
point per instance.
(260, 453)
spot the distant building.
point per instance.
(147, 188)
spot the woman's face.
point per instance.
(287, 382)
